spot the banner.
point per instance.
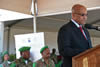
(34, 40)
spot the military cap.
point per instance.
(43, 48)
(25, 48)
(4, 53)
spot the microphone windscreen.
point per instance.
(88, 26)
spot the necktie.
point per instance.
(80, 27)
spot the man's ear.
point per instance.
(73, 14)
(22, 53)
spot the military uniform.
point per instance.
(41, 63)
(1, 65)
(54, 58)
(6, 64)
(22, 63)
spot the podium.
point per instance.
(89, 58)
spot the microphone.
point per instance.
(89, 26)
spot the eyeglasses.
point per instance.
(82, 14)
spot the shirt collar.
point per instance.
(75, 23)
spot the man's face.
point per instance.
(46, 53)
(6, 57)
(80, 16)
(25, 54)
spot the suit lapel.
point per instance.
(79, 31)
(88, 38)
(86, 33)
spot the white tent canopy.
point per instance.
(6, 15)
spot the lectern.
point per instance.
(89, 58)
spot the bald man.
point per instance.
(73, 38)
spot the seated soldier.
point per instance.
(45, 61)
(5, 58)
(24, 59)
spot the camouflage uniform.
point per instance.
(1, 65)
(54, 58)
(41, 63)
(22, 63)
(6, 64)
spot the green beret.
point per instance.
(43, 48)
(4, 53)
(25, 48)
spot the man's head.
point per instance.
(45, 52)
(25, 52)
(53, 50)
(5, 56)
(79, 13)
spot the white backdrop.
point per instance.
(34, 40)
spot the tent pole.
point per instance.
(34, 18)
(1, 36)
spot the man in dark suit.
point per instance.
(73, 38)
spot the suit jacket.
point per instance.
(71, 42)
